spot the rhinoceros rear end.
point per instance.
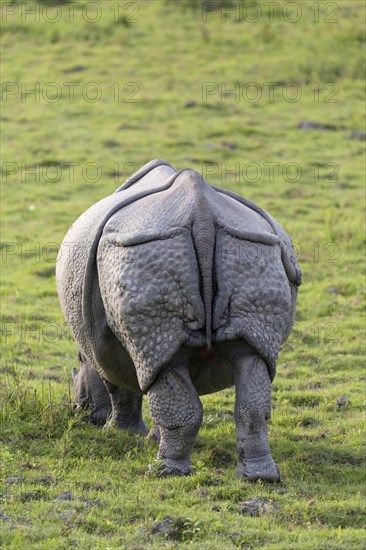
(169, 265)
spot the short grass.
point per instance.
(67, 484)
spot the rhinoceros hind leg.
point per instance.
(252, 411)
(126, 410)
(177, 411)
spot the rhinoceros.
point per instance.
(90, 392)
(93, 397)
(175, 288)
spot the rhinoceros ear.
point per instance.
(74, 372)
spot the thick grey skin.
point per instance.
(104, 401)
(168, 266)
(90, 392)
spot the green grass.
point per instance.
(164, 59)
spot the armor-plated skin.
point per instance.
(160, 272)
(90, 392)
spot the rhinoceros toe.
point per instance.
(167, 468)
(259, 468)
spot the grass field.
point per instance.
(263, 99)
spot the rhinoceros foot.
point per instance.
(258, 468)
(135, 428)
(166, 468)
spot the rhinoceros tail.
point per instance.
(203, 233)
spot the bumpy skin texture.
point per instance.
(103, 400)
(163, 269)
(90, 392)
